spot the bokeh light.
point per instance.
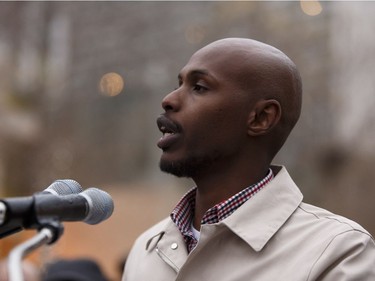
(111, 84)
(311, 8)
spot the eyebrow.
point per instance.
(197, 72)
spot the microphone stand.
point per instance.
(48, 234)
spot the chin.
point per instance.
(187, 167)
(176, 168)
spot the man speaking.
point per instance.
(236, 102)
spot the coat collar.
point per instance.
(264, 213)
(267, 211)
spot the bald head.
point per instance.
(262, 72)
(236, 102)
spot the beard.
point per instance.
(190, 166)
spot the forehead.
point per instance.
(214, 63)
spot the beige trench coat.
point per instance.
(273, 236)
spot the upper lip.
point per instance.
(166, 125)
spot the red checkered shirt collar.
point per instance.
(183, 213)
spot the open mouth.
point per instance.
(170, 130)
(167, 126)
(166, 132)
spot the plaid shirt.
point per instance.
(183, 213)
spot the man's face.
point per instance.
(205, 121)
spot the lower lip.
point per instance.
(167, 141)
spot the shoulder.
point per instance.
(338, 246)
(331, 246)
(327, 221)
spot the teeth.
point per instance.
(165, 131)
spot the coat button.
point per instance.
(174, 246)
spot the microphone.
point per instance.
(91, 206)
(58, 187)
(63, 187)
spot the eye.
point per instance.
(199, 88)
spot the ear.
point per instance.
(264, 116)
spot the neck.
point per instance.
(215, 187)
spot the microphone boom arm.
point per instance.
(49, 234)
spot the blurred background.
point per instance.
(81, 85)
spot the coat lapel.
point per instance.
(262, 216)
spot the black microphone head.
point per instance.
(64, 187)
(100, 205)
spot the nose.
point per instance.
(171, 102)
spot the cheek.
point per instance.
(229, 119)
(221, 125)
(216, 119)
